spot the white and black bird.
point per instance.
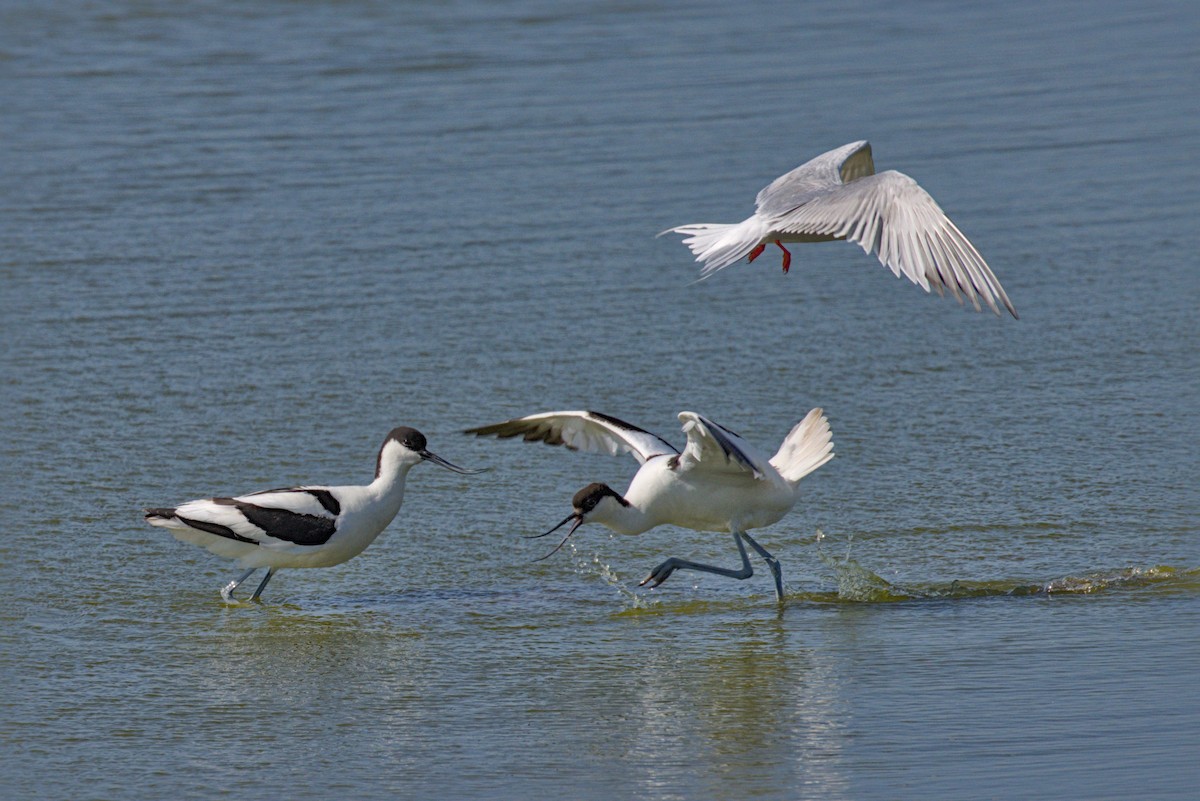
(838, 195)
(719, 482)
(310, 526)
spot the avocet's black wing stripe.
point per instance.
(729, 444)
(323, 496)
(215, 528)
(711, 446)
(326, 499)
(282, 524)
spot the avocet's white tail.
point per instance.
(808, 446)
(719, 245)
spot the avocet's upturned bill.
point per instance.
(838, 195)
(310, 526)
(719, 482)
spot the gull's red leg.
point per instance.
(787, 257)
(754, 254)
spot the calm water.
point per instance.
(239, 242)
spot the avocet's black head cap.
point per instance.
(586, 499)
(410, 438)
(414, 440)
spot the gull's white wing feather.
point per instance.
(890, 215)
(582, 430)
(713, 447)
(826, 171)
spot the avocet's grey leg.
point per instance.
(772, 563)
(263, 583)
(227, 590)
(661, 573)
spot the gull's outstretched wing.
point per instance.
(890, 215)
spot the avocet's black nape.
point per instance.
(586, 499)
(410, 438)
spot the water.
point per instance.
(240, 243)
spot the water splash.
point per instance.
(858, 584)
(592, 565)
(1125, 578)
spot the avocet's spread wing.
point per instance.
(713, 447)
(585, 431)
(890, 215)
(280, 518)
(827, 171)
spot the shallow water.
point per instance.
(240, 244)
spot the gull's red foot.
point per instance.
(754, 254)
(787, 256)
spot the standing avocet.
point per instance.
(717, 483)
(838, 195)
(310, 526)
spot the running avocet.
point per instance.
(838, 195)
(310, 526)
(717, 483)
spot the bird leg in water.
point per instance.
(227, 590)
(772, 563)
(664, 570)
(271, 572)
(661, 573)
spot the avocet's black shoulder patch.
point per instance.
(325, 498)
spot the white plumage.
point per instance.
(838, 195)
(718, 482)
(309, 526)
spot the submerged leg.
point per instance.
(227, 590)
(772, 563)
(787, 256)
(754, 254)
(263, 583)
(661, 573)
